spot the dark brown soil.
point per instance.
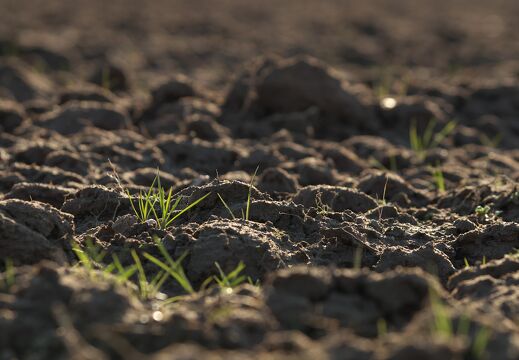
(353, 248)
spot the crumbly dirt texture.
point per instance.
(384, 215)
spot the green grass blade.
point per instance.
(247, 210)
(443, 133)
(413, 137)
(428, 134)
(9, 273)
(109, 269)
(143, 282)
(206, 283)
(179, 277)
(133, 205)
(165, 253)
(193, 204)
(226, 206)
(237, 270)
(222, 281)
(480, 343)
(84, 260)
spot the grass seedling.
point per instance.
(172, 267)
(247, 211)
(147, 202)
(226, 206)
(480, 343)
(482, 210)
(252, 282)
(383, 201)
(439, 180)
(357, 258)
(8, 279)
(245, 215)
(147, 289)
(123, 273)
(490, 142)
(381, 327)
(91, 258)
(392, 164)
(232, 279)
(420, 143)
(443, 326)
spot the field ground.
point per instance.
(348, 169)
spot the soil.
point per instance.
(357, 245)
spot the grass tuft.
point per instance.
(247, 211)
(8, 278)
(420, 143)
(439, 180)
(245, 215)
(146, 203)
(443, 326)
(172, 267)
(231, 280)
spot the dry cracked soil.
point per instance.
(383, 220)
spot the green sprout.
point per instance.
(490, 142)
(480, 343)
(145, 202)
(443, 326)
(482, 210)
(226, 206)
(245, 215)
(148, 289)
(90, 258)
(420, 143)
(232, 279)
(8, 278)
(247, 211)
(171, 267)
(145, 207)
(439, 180)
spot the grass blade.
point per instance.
(226, 206)
(247, 210)
(177, 275)
(188, 207)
